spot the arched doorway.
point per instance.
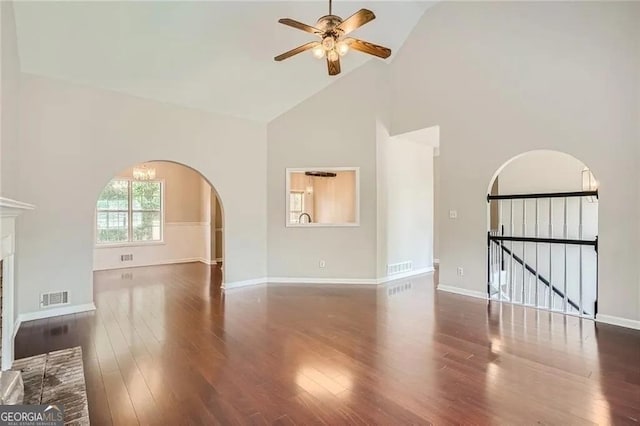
(158, 213)
(542, 225)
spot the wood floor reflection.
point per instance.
(166, 347)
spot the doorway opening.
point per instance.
(542, 236)
(158, 213)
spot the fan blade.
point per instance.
(334, 66)
(356, 20)
(297, 50)
(370, 48)
(300, 26)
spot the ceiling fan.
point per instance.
(333, 44)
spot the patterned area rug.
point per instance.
(56, 378)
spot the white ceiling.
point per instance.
(215, 56)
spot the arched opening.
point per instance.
(159, 213)
(542, 223)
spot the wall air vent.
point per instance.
(54, 299)
(399, 268)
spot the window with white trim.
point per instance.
(296, 206)
(129, 211)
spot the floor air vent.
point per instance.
(54, 299)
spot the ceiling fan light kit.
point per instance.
(332, 31)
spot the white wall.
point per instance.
(183, 242)
(336, 127)
(186, 223)
(9, 128)
(505, 78)
(84, 137)
(436, 204)
(541, 171)
(637, 166)
(405, 198)
(9, 101)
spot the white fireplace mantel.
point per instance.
(9, 211)
(13, 208)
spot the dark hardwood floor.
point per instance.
(166, 347)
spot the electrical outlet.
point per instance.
(460, 271)
(322, 264)
(453, 214)
(126, 257)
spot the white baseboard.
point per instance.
(187, 224)
(16, 326)
(331, 281)
(404, 275)
(327, 281)
(207, 262)
(245, 283)
(54, 312)
(159, 263)
(463, 291)
(622, 322)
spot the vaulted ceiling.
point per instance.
(214, 56)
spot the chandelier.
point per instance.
(144, 173)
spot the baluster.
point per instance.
(524, 247)
(500, 251)
(550, 295)
(537, 273)
(489, 263)
(580, 301)
(511, 283)
(566, 235)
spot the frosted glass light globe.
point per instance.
(328, 43)
(318, 52)
(342, 48)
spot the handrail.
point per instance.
(534, 272)
(543, 195)
(593, 243)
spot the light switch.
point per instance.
(453, 214)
